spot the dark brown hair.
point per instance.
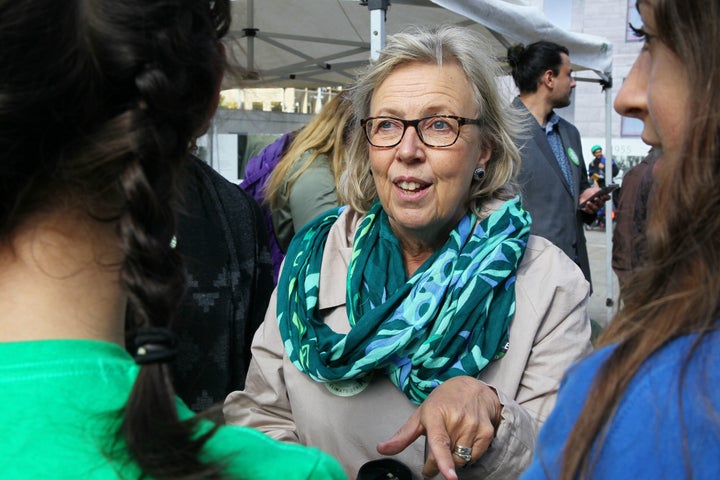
(677, 291)
(99, 102)
(529, 63)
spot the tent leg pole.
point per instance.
(609, 300)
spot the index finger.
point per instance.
(438, 450)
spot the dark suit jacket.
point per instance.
(545, 192)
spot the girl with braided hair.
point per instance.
(99, 102)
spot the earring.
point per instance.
(478, 174)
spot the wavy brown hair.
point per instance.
(677, 291)
(99, 103)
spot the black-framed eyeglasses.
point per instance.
(433, 131)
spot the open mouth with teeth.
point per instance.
(412, 186)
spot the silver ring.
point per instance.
(463, 452)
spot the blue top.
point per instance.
(662, 429)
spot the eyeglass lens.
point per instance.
(433, 131)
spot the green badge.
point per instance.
(573, 156)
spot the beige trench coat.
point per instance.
(550, 331)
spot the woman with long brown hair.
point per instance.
(647, 403)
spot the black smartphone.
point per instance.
(606, 190)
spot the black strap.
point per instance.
(154, 345)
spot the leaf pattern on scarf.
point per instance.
(450, 318)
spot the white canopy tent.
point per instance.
(321, 43)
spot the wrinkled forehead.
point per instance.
(424, 81)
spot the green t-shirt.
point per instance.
(58, 416)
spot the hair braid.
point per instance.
(133, 83)
(172, 103)
(154, 278)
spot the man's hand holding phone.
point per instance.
(593, 198)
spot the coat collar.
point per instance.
(336, 259)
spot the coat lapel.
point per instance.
(567, 143)
(539, 142)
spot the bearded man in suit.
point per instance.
(553, 177)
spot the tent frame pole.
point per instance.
(609, 274)
(378, 12)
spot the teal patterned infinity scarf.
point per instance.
(450, 318)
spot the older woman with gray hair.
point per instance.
(424, 307)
